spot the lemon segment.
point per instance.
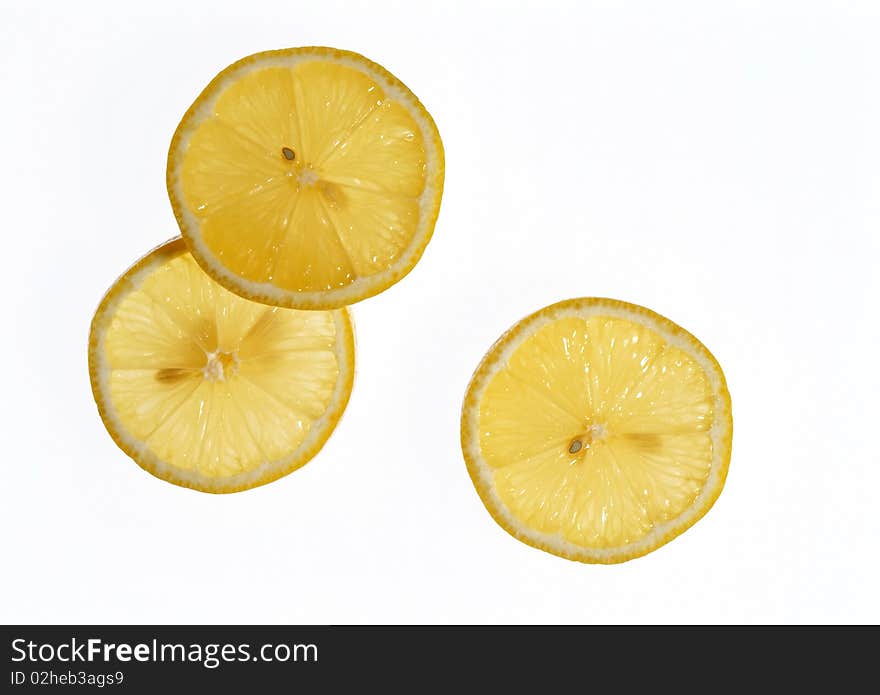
(597, 430)
(209, 390)
(308, 178)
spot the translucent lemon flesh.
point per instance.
(599, 431)
(306, 178)
(210, 390)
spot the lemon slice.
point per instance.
(597, 430)
(208, 390)
(308, 178)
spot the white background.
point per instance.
(718, 162)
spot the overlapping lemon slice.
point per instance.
(597, 430)
(208, 390)
(307, 178)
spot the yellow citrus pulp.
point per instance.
(308, 178)
(208, 390)
(597, 430)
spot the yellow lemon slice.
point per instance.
(308, 178)
(208, 390)
(597, 430)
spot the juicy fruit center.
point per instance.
(597, 430)
(212, 383)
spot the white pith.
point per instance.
(267, 470)
(361, 286)
(213, 369)
(720, 433)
